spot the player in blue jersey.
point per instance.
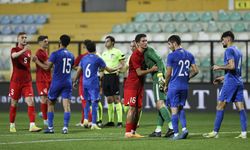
(180, 68)
(61, 83)
(89, 67)
(232, 89)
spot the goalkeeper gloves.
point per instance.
(161, 81)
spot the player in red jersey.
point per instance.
(43, 76)
(133, 90)
(21, 82)
(80, 88)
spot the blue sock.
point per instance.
(182, 117)
(86, 110)
(218, 120)
(175, 123)
(50, 119)
(66, 119)
(243, 120)
(94, 111)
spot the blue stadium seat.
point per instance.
(153, 17)
(225, 27)
(182, 28)
(5, 20)
(129, 28)
(31, 29)
(180, 17)
(235, 16)
(29, 19)
(6, 30)
(169, 28)
(239, 27)
(117, 28)
(212, 27)
(41, 19)
(246, 16)
(155, 28)
(18, 29)
(223, 16)
(166, 17)
(141, 17)
(192, 16)
(142, 28)
(17, 19)
(206, 16)
(196, 27)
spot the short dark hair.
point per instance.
(175, 38)
(85, 42)
(228, 34)
(65, 40)
(41, 38)
(90, 45)
(112, 39)
(139, 36)
(21, 33)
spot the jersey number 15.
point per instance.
(66, 65)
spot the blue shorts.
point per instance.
(231, 93)
(177, 97)
(56, 91)
(92, 94)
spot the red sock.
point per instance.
(31, 113)
(129, 127)
(134, 126)
(90, 116)
(44, 109)
(12, 114)
(83, 106)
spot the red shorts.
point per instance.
(42, 88)
(20, 89)
(133, 97)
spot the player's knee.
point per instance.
(13, 103)
(221, 106)
(240, 106)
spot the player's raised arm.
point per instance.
(17, 54)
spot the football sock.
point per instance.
(125, 108)
(160, 120)
(111, 112)
(182, 117)
(170, 125)
(243, 120)
(218, 120)
(99, 111)
(66, 119)
(165, 114)
(50, 119)
(90, 114)
(44, 109)
(12, 114)
(31, 113)
(158, 129)
(175, 123)
(129, 127)
(86, 110)
(83, 107)
(94, 111)
(118, 107)
(139, 117)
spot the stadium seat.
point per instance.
(17, 19)
(196, 27)
(31, 29)
(225, 27)
(41, 19)
(142, 28)
(153, 17)
(141, 17)
(29, 19)
(205, 62)
(155, 28)
(212, 27)
(117, 28)
(223, 16)
(17, 29)
(182, 28)
(235, 16)
(6, 30)
(129, 28)
(180, 17)
(169, 28)
(239, 27)
(206, 16)
(192, 16)
(167, 17)
(246, 16)
(5, 20)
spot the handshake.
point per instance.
(161, 81)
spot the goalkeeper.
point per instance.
(151, 58)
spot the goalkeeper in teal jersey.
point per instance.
(151, 58)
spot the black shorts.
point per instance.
(110, 84)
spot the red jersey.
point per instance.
(41, 74)
(21, 66)
(134, 81)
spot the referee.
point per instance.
(113, 58)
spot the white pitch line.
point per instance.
(89, 139)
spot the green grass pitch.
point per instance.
(113, 138)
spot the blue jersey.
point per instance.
(233, 77)
(90, 65)
(180, 61)
(63, 61)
